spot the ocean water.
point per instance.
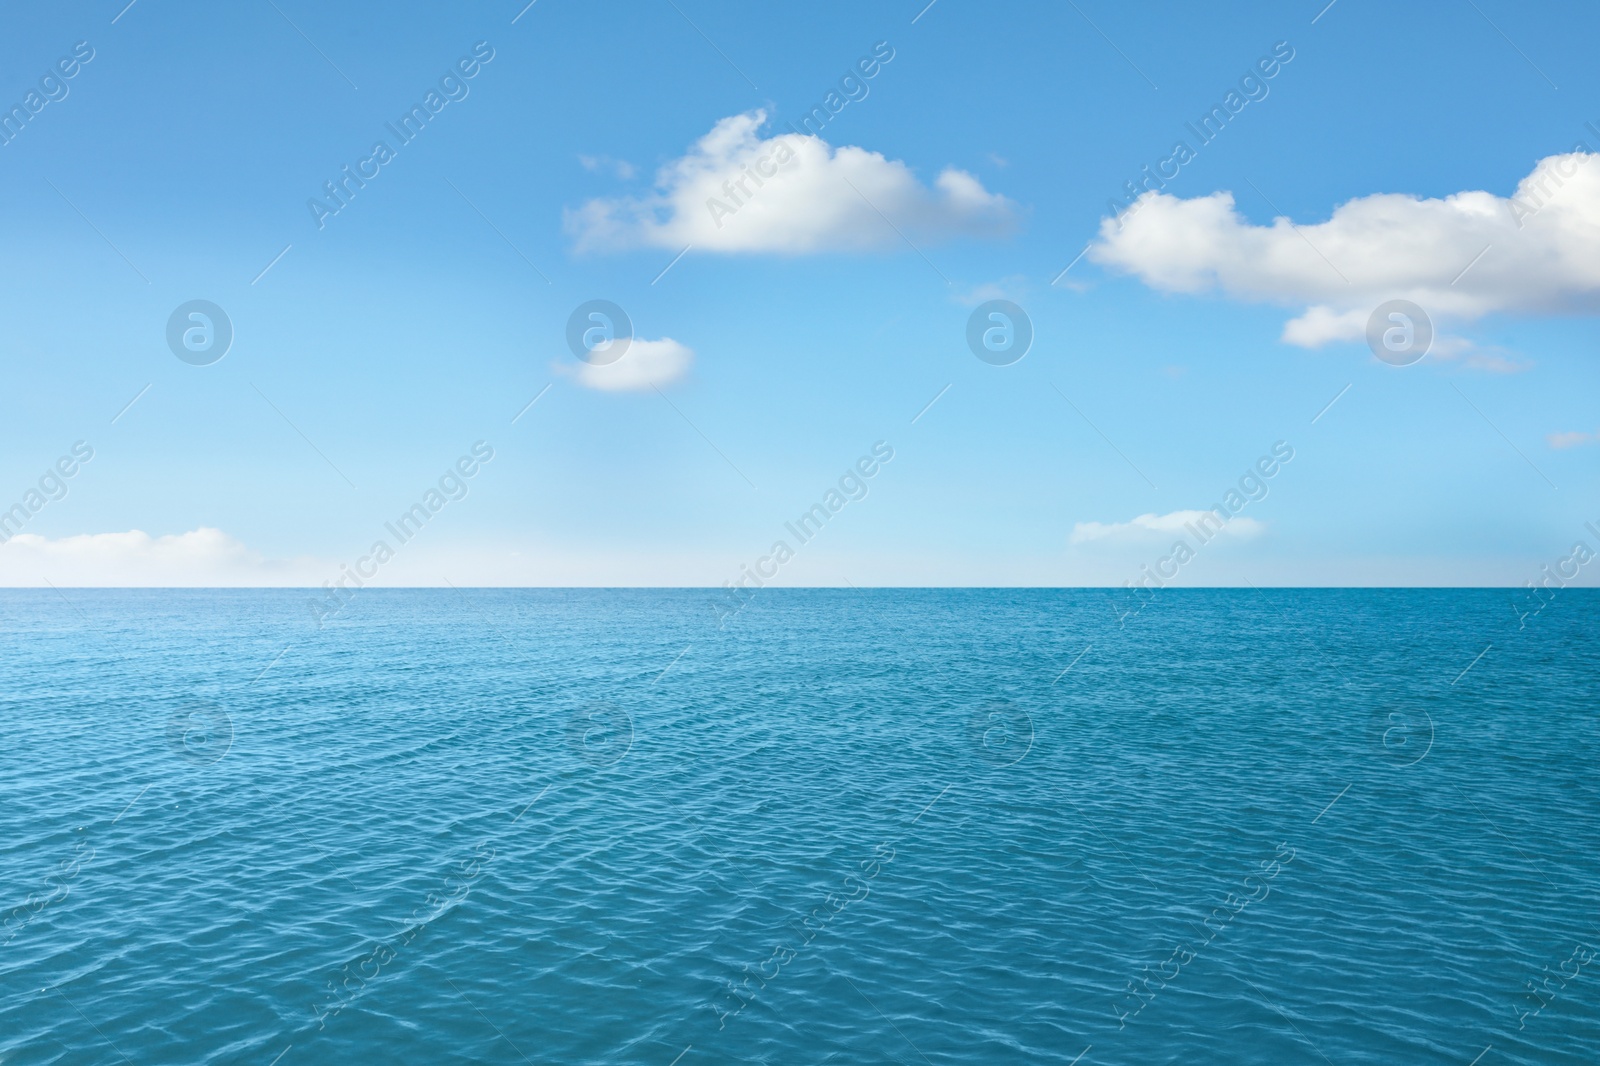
(883, 826)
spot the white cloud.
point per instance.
(800, 200)
(1013, 287)
(644, 364)
(1571, 440)
(621, 167)
(1156, 526)
(200, 558)
(1543, 252)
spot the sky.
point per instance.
(1001, 294)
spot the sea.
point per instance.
(920, 826)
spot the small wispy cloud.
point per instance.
(1153, 526)
(597, 163)
(1572, 439)
(1488, 358)
(1013, 287)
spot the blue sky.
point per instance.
(817, 319)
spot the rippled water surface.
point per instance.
(852, 827)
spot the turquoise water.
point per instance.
(853, 827)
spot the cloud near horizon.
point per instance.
(200, 558)
(1460, 258)
(805, 196)
(1155, 526)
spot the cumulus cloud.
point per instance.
(792, 193)
(1467, 255)
(1159, 526)
(200, 558)
(644, 364)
